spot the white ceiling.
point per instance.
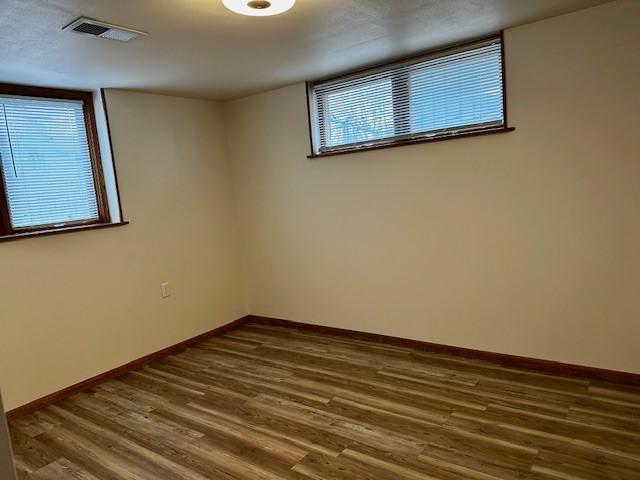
(198, 48)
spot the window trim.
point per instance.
(57, 231)
(86, 97)
(414, 138)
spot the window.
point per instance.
(452, 92)
(49, 161)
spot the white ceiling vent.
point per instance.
(95, 28)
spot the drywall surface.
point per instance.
(75, 305)
(523, 243)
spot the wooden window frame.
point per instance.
(6, 229)
(419, 138)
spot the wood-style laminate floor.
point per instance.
(269, 403)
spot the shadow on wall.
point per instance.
(7, 470)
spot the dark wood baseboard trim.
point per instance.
(121, 370)
(502, 359)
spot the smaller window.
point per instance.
(456, 91)
(49, 161)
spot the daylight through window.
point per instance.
(450, 92)
(50, 169)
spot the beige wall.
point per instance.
(75, 305)
(524, 243)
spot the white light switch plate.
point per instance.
(164, 289)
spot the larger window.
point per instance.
(452, 92)
(49, 161)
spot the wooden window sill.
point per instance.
(55, 231)
(413, 141)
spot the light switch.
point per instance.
(164, 289)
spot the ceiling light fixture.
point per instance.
(259, 8)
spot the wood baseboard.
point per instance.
(119, 371)
(503, 359)
(546, 366)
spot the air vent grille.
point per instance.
(95, 28)
(91, 29)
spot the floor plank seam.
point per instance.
(266, 403)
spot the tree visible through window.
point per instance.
(448, 92)
(364, 112)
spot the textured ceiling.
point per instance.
(197, 48)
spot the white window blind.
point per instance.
(46, 163)
(452, 91)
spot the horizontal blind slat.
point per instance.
(459, 89)
(407, 69)
(46, 162)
